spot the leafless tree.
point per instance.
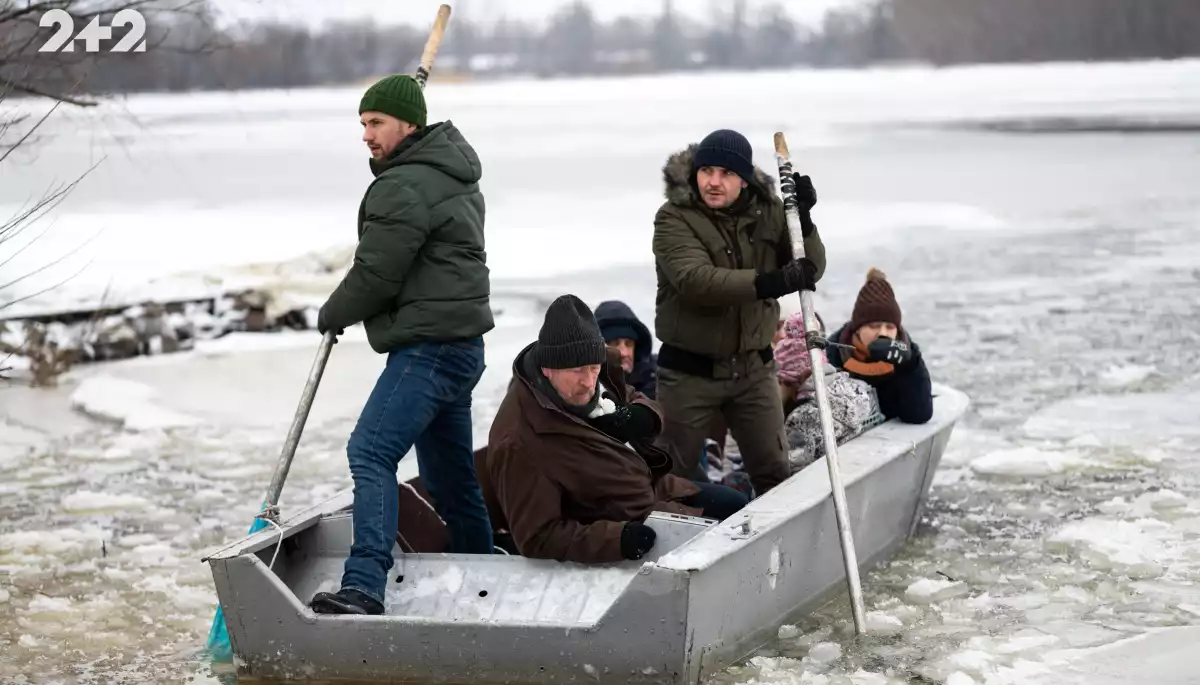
(33, 78)
(961, 31)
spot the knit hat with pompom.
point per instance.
(876, 302)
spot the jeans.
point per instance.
(422, 399)
(718, 501)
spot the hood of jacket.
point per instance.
(615, 312)
(440, 146)
(679, 183)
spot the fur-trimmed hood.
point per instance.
(679, 184)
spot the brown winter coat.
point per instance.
(707, 260)
(564, 489)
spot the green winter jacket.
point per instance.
(707, 260)
(419, 272)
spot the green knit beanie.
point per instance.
(397, 95)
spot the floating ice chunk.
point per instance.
(1073, 593)
(787, 632)
(960, 678)
(1129, 419)
(825, 652)
(861, 677)
(1025, 602)
(972, 661)
(95, 502)
(1027, 640)
(57, 543)
(18, 442)
(1027, 461)
(1087, 440)
(785, 670)
(136, 540)
(133, 405)
(1077, 634)
(1136, 548)
(1115, 507)
(1191, 609)
(1162, 656)
(880, 623)
(947, 477)
(906, 613)
(1162, 500)
(156, 554)
(928, 590)
(42, 605)
(1121, 376)
(818, 635)
(984, 602)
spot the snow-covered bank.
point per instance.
(198, 183)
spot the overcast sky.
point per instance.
(421, 12)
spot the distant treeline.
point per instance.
(187, 50)
(965, 31)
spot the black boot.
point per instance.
(345, 602)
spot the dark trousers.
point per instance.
(750, 406)
(718, 501)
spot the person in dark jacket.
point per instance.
(572, 467)
(723, 255)
(626, 334)
(883, 354)
(420, 285)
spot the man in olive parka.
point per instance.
(420, 286)
(723, 256)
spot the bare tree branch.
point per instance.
(29, 133)
(25, 217)
(50, 288)
(34, 90)
(5, 125)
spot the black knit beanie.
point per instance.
(570, 337)
(728, 150)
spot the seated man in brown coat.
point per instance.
(570, 468)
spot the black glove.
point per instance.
(629, 422)
(806, 194)
(323, 325)
(636, 539)
(884, 349)
(796, 275)
(806, 198)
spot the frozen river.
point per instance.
(1054, 277)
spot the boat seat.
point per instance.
(419, 529)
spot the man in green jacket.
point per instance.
(724, 256)
(420, 285)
